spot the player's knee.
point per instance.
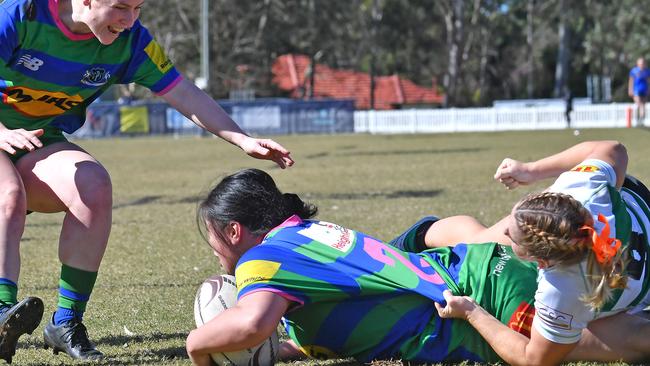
(95, 188)
(12, 198)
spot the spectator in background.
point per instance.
(637, 88)
(568, 106)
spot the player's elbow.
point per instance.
(619, 149)
(612, 149)
(254, 329)
(193, 346)
(619, 155)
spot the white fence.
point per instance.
(490, 119)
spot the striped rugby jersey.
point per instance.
(561, 314)
(49, 75)
(354, 296)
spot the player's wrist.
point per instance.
(475, 313)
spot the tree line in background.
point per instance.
(476, 51)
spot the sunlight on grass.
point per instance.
(141, 309)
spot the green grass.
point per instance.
(141, 309)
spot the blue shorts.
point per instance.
(412, 240)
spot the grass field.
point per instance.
(141, 308)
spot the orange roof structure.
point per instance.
(291, 73)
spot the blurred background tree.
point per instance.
(475, 50)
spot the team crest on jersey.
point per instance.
(39, 103)
(522, 319)
(96, 76)
(332, 235)
(554, 318)
(585, 169)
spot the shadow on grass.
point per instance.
(369, 195)
(394, 152)
(318, 155)
(341, 196)
(414, 152)
(140, 201)
(331, 362)
(118, 340)
(134, 349)
(157, 199)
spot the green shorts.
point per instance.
(51, 135)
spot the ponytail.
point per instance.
(251, 198)
(293, 205)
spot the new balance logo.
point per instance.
(30, 62)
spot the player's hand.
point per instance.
(22, 139)
(457, 306)
(268, 150)
(513, 173)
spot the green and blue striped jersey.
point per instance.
(355, 296)
(49, 75)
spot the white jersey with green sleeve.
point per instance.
(560, 314)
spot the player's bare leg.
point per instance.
(64, 178)
(16, 317)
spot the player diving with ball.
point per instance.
(341, 293)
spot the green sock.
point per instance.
(8, 291)
(75, 288)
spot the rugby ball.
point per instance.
(217, 294)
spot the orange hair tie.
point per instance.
(602, 244)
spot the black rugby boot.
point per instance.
(72, 338)
(16, 320)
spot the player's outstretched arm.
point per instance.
(513, 347)
(513, 173)
(196, 105)
(254, 319)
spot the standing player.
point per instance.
(56, 57)
(637, 88)
(345, 294)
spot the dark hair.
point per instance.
(251, 198)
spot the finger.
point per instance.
(440, 309)
(503, 168)
(21, 142)
(272, 145)
(512, 185)
(32, 137)
(279, 160)
(503, 172)
(8, 148)
(447, 295)
(506, 181)
(261, 151)
(29, 141)
(288, 161)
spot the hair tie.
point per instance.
(602, 244)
